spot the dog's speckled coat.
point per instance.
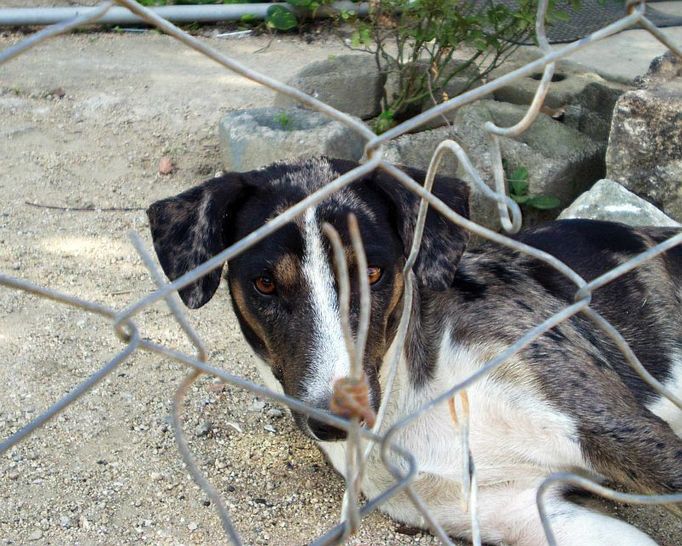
(569, 401)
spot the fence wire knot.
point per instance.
(351, 400)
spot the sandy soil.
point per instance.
(107, 471)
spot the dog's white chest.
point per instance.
(515, 437)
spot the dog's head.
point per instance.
(283, 289)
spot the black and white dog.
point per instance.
(569, 401)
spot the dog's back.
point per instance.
(648, 298)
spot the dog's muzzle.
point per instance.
(324, 432)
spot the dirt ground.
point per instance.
(107, 470)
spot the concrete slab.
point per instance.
(626, 55)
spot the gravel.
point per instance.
(107, 470)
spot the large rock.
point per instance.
(561, 161)
(608, 200)
(256, 137)
(582, 99)
(645, 145)
(350, 83)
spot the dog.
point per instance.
(567, 402)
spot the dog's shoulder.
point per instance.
(592, 247)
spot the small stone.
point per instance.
(203, 429)
(65, 522)
(166, 165)
(270, 428)
(16, 266)
(58, 93)
(216, 388)
(407, 530)
(192, 526)
(235, 426)
(274, 413)
(13, 475)
(35, 535)
(257, 405)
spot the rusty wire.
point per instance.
(398, 460)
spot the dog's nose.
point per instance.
(323, 431)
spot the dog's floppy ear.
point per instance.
(189, 229)
(444, 242)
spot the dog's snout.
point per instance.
(323, 431)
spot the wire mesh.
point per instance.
(510, 218)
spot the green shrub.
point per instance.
(416, 42)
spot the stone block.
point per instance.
(561, 161)
(350, 83)
(645, 145)
(582, 99)
(256, 137)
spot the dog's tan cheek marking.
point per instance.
(396, 296)
(251, 320)
(379, 341)
(287, 270)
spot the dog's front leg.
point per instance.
(510, 516)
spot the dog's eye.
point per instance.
(265, 285)
(374, 274)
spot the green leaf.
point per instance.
(559, 16)
(518, 180)
(355, 39)
(384, 122)
(361, 37)
(543, 202)
(300, 3)
(365, 36)
(281, 18)
(520, 174)
(520, 199)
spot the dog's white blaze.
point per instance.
(665, 408)
(330, 359)
(268, 377)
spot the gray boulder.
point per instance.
(608, 200)
(561, 161)
(663, 68)
(350, 83)
(645, 145)
(256, 137)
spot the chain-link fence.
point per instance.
(361, 440)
